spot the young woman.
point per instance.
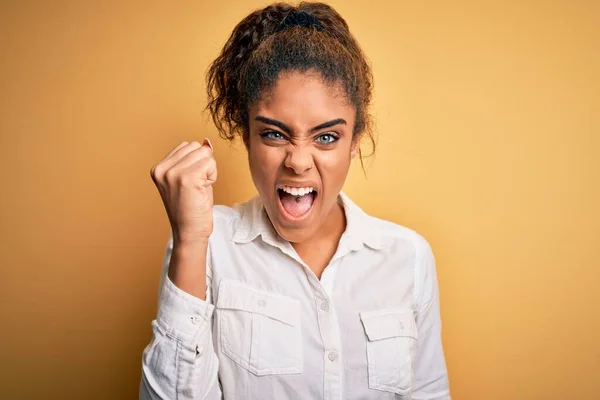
(296, 294)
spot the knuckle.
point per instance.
(212, 164)
(187, 181)
(200, 153)
(156, 172)
(195, 144)
(171, 176)
(209, 153)
(183, 180)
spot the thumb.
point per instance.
(206, 142)
(211, 175)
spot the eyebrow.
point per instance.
(288, 130)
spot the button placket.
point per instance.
(330, 331)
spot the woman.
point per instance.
(296, 294)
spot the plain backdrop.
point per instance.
(488, 120)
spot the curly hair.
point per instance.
(259, 50)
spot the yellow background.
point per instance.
(488, 119)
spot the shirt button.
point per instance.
(401, 325)
(262, 303)
(332, 356)
(324, 306)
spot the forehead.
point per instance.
(304, 99)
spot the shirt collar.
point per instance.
(360, 227)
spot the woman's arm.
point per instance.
(180, 362)
(430, 380)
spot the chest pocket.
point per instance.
(260, 330)
(391, 342)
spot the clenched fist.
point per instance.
(184, 179)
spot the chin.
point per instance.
(294, 232)
(293, 235)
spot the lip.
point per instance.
(295, 184)
(286, 216)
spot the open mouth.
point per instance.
(296, 202)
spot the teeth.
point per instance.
(294, 191)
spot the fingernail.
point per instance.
(207, 142)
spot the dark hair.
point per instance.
(265, 44)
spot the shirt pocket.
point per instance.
(260, 330)
(391, 342)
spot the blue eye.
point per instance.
(326, 138)
(272, 135)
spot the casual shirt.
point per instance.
(270, 329)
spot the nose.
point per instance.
(299, 159)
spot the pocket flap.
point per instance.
(238, 296)
(389, 323)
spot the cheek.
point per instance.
(264, 163)
(333, 165)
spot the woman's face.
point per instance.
(300, 146)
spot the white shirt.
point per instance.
(269, 329)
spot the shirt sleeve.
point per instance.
(180, 362)
(430, 380)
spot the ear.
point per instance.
(355, 149)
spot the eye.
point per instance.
(326, 138)
(272, 135)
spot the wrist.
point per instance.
(186, 242)
(187, 267)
